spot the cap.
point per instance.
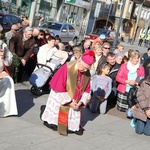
(102, 37)
(88, 57)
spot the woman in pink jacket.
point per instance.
(127, 76)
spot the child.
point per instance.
(120, 49)
(101, 87)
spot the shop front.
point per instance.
(75, 12)
(15, 7)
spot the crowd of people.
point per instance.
(92, 76)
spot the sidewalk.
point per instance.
(135, 46)
(111, 131)
(26, 132)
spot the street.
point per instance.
(111, 131)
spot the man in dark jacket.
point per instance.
(111, 59)
(21, 45)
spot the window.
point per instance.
(65, 27)
(119, 5)
(147, 17)
(71, 28)
(14, 19)
(130, 7)
(142, 13)
(55, 26)
(136, 10)
(145, 14)
(7, 20)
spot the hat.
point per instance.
(88, 57)
(102, 37)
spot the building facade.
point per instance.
(86, 15)
(75, 12)
(135, 17)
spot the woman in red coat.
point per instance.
(127, 76)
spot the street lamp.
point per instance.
(110, 3)
(136, 25)
(118, 27)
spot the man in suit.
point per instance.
(21, 45)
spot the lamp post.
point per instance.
(136, 25)
(110, 3)
(118, 27)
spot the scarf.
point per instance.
(131, 68)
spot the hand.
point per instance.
(23, 61)
(147, 112)
(74, 105)
(131, 82)
(132, 108)
(101, 98)
(79, 104)
(3, 74)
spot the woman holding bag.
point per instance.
(8, 105)
(127, 75)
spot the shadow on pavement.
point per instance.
(87, 116)
(24, 100)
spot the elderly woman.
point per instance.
(127, 76)
(98, 58)
(8, 105)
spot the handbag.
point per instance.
(131, 97)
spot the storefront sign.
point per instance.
(80, 3)
(71, 1)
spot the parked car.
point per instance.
(65, 31)
(93, 35)
(6, 21)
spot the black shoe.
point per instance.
(42, 110)
(129, 117)
(80, 132)
(51, 126)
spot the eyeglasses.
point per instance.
(16, 29)
(106, 47)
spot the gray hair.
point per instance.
(119, 54)
(28, 29)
